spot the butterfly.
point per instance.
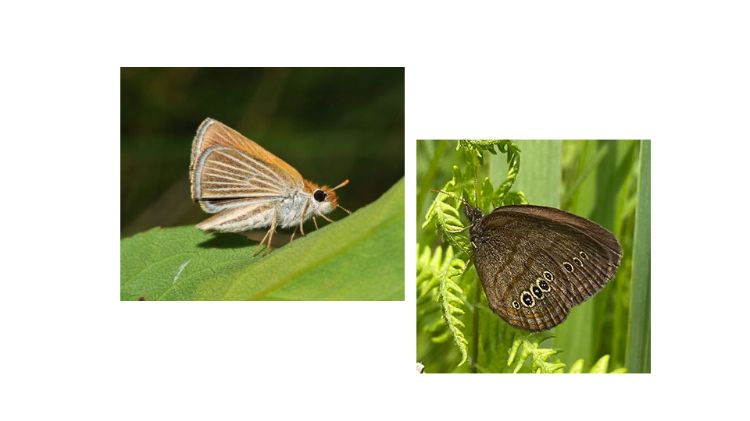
(535, 263)
(248, 188)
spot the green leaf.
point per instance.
(577, 366)
(601, 365)
(638, 358)
(360, 257)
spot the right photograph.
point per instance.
(533, 256)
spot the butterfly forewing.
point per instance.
(587, 227)
(227, 174)
(535, 263)
(229, 170)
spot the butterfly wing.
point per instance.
(240, 218)
(228, 170)
(535, 263)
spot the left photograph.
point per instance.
(262, 184)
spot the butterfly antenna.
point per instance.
(476, 184)
(447, 194)
(343, 183)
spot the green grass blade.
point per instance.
(360, 257)
(598, 176)
(539, 177)
(638, 358)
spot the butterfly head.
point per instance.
(324, 199)
(474, 214)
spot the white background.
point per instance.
(674, 72)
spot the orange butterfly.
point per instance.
(248, 187)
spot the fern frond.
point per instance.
(515, 198)
(526, 349)
(514, 164)
(430, 266)
(437, 282)
(447, 218)
(577, 367)
(476, 147)
(600, 366)
(452, 298)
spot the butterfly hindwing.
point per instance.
(535, 263)
(242, 217)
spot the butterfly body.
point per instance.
(246, 187)
(535, 263)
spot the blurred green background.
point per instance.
(606, 181)
(329, 123)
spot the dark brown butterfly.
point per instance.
(535, 262)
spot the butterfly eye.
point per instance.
(320, 195)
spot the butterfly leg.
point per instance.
(293, 233)
(302, 218)
(260, 245)
(315, 221)
(325, 217)
(272, 230)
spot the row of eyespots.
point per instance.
(535, 290)
(568, 267)
(542, 286)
